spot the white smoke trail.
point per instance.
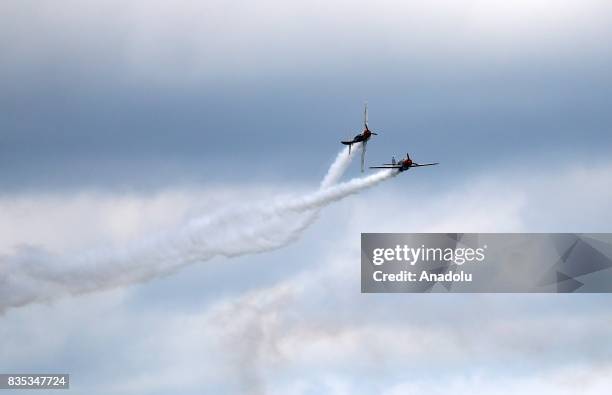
(33, 275)
(329, 195)
(337, 168)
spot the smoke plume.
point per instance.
(34, 275)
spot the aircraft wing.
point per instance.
(424, 164)
(385, 167)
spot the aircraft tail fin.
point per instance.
(349, 143)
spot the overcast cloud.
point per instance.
(124, 118)
(142, 94)
(293, 321)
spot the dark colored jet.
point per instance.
(363, 137)
(402, 165)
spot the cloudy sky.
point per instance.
(120, 119)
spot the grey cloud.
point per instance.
(141, 95)
(310, 331)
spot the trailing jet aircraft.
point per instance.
(363, 137)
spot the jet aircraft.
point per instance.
(363, 137)
(402, 165)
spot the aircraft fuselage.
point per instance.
(405, 165)
(364, 136)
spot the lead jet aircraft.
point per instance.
(402, 165)
(363, 137)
